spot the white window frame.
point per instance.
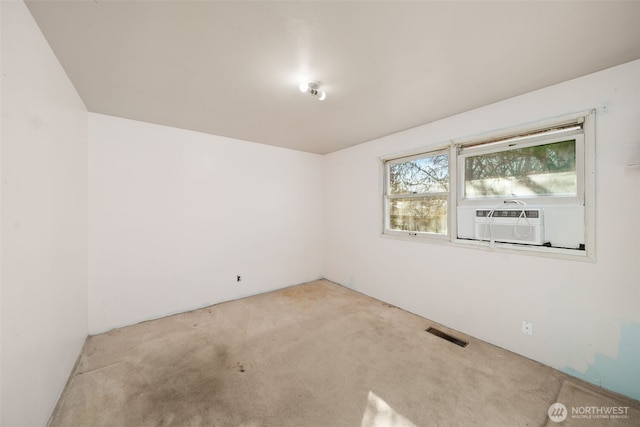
(406, 157)
(489, 142)
(517, 143)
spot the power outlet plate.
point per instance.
(527, 328)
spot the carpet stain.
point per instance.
(305, 293)
(173, 386)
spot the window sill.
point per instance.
(540, 251)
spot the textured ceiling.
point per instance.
(232, 68)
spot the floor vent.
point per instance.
(447, 337)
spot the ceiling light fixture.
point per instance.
(313, 89)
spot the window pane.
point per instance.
(423, 175)
(425, 214)
(543, 170)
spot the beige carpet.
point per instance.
(587, 407)
(317, 354)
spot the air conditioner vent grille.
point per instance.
(508, 213)
(510, 226)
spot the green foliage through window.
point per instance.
(542, 170)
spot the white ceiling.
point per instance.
(232, 68)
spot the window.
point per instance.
(417, 194)
(541, 166)
(541, 170)
(497, 183)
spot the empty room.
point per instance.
(319, 213)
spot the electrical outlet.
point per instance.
(527, 328)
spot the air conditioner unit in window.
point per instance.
(510, 225)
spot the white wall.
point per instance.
(586, 315)
(175, 215)
(44, 222)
